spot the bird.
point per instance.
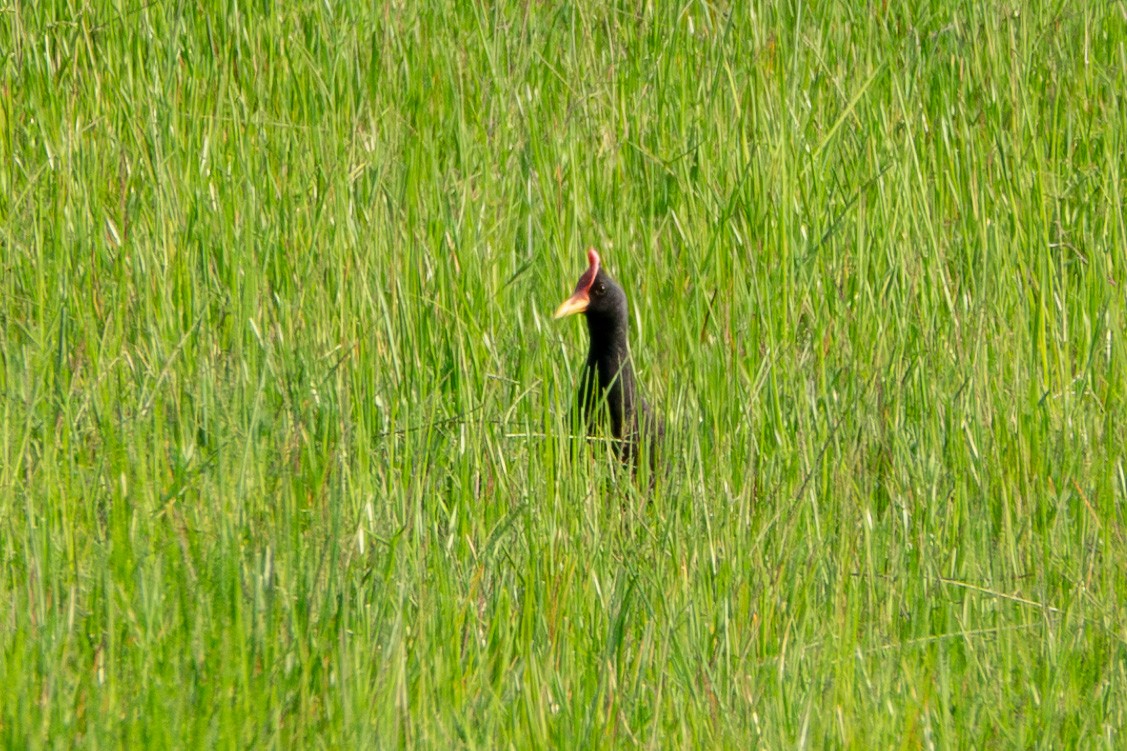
(607, 387)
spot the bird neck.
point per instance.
(609, 346)
(608, 361)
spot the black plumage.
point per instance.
(608, 390)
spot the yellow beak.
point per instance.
(577, 303)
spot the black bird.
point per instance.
(607, 386)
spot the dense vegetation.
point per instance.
(283, 414)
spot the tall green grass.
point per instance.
(283, 415)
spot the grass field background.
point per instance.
(283, 414)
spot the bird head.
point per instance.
(596, 295)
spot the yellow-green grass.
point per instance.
(283, 414)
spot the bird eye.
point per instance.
(600, 288)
